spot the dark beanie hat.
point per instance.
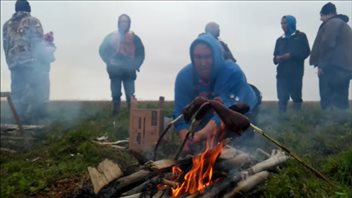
(22, 5)
(328, 8)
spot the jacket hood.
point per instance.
(343, 17)
(215, 46)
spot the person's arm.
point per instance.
(104, 53)
(140, 53)
(303, 50)
(276, 58)
(182, 97)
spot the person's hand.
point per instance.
(286, 56)
(278, 59)
(207, 132)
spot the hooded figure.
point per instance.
(291, 25)
(210, 76)
(214, 29)
(291, 49)
(123, 53)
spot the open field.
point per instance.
(56, 163)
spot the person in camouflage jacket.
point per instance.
(23, 43)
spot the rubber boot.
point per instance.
(115, 108)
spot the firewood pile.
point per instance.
(12, 138)
(222, 171)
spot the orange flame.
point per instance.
(201, 174)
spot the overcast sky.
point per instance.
(167, 30)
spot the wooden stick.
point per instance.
(295, 156)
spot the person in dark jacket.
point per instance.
(332, 55)
(123, 53)
(214, 29)
(291, 49)
(210, 76)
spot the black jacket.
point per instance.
(298, 47)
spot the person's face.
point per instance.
(123, 24)
(215, 31)
(324, 17)
(203, 60)
(284, 25)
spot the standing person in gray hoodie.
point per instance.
(123, 53)
(332, 54)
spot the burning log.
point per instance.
(138, 189)
(246, 185)
(123, 184)
(275, 160)
(231, 157)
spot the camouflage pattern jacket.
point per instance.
(21, 35)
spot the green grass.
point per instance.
(65, 150)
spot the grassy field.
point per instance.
(56, 163)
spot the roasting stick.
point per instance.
(164, 132)
(295, 156)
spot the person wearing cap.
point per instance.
(331, 54)
(123, 53)
(291, 49)
(211, 77)
(214, 29)
(23, 45)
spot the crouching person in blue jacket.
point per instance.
(210, 76)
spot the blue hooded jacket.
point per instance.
(227, 82)
(291, 25)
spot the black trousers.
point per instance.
(289, 86)
(334, 86)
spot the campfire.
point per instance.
(219, 170)
(201, 174)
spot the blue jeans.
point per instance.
(289, 86)
(115, 86)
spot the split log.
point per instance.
(13, 127)
(248, 184)
(160, 164)
(238, 161)
(106, 172)
(114, 189)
